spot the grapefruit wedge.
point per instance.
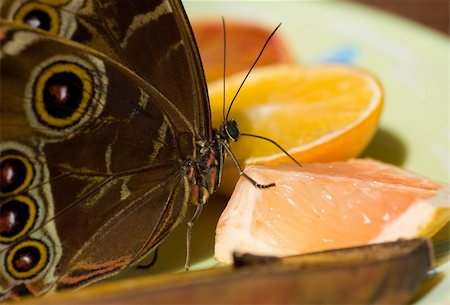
(328, 205)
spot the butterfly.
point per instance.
(106, 137)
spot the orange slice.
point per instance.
(328, 205)
(244, 42)
(317, 113)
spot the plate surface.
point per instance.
(412, 63)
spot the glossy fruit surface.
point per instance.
(327, 206)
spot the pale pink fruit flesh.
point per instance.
(325, 206)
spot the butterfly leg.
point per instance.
(190, 225)
(241, 172)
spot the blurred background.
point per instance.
(433, 13)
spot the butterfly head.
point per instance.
(229, 130)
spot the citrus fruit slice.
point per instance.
(327, 206)
(244, 42)
(317, 113)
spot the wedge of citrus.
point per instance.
(244, 42)
(327, 206)
(317, 113)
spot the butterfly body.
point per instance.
(103, 145)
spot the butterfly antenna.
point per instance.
(274, 143)
(249, 71)
(224, 64)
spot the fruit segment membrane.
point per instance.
(325, 206)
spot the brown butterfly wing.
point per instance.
(107, 185)
(152, 37)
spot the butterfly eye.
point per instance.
(26, 259)
(232, 130)
(17, 217)
(39, 15)
(16, 173)
(62, 94)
